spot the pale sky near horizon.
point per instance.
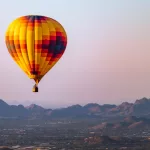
(107, 59)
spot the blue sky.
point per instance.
(107, 59)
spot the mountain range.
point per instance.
(130, 122)
(139, 108)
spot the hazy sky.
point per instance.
(107, 59)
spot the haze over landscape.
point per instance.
(107, 59)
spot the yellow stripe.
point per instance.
(22, 39)
(38, 40)
(45, 32)
(16, 37)
(30, 43)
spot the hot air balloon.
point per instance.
(36, 43)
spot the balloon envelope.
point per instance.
(36, 43)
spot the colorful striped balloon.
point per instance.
(36, 43)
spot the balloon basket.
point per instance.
(35, 88)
